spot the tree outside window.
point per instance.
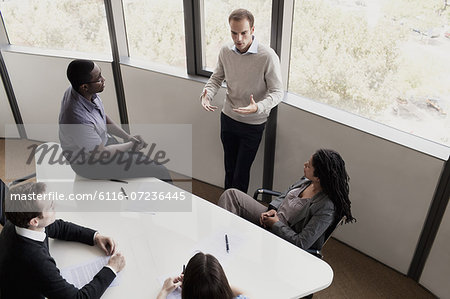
(385, 60)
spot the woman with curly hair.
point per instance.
(302, 214)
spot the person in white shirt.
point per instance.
(27, 269)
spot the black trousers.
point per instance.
(240, 143)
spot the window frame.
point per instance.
(194, 26)
(280, 41)
(352, 120)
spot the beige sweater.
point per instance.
(246, 74)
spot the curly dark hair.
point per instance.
(329, 167)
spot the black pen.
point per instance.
(184, 268)
(226, 244)
(123, 191)
(118, 181)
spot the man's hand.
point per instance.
(269, 218)
(117, 262)
(206, 104)
(106, 244)
(138, 142)
(252, 108)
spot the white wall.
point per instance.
(39, 83)
(158, 98)
(391, 186)
(6, 117)
(436, 274)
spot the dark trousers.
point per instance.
(240, 143)
(129, 166)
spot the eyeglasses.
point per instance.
(99, 80)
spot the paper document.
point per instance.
(176, 294)
(82, 274)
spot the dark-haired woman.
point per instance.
(303, 213)
(203, 278)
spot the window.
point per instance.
(216, 31)
(388, 61)
(74, 25)
(155, 31)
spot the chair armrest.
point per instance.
(265, 191)
(315, 252)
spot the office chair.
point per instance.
(328, 232)
(316, 252)
(265, 191)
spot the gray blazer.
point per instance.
(308, 228)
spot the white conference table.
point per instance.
(157, 245)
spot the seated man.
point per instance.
(84, 127)
(304, 212)
(26, 268)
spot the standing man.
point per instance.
(253, 75)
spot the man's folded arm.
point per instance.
(68, 231)
(53, 285)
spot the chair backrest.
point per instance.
(328, 233)
(332, 228)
